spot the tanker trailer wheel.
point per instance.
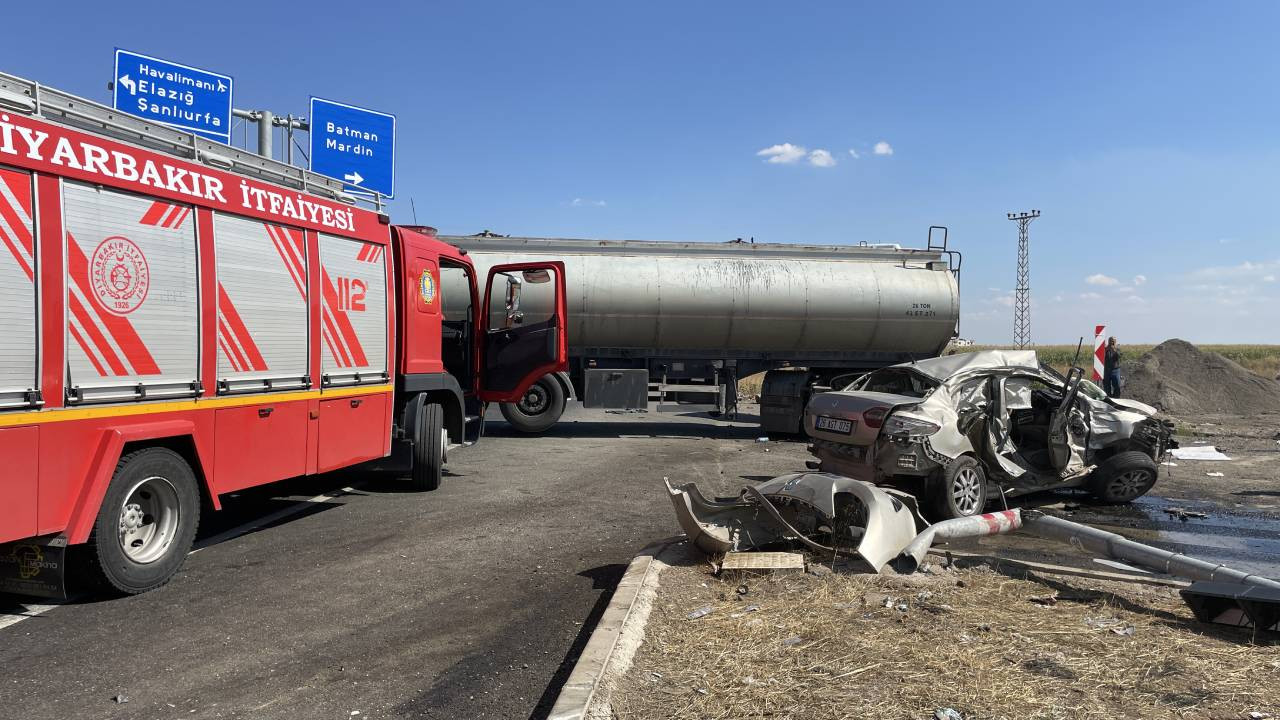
(1123, 477)
(428, 447)
(539, 409)
(147, 521)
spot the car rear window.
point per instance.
(895, 381)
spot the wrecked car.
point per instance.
(960, 430)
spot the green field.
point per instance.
(1261, 359)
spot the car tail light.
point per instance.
(874, 417)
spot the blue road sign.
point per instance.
(174, 94)
(355, 145)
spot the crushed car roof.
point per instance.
(941, 368)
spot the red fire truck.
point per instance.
(180, 320)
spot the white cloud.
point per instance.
(579, 202)
(783, 154)
(1139, 279)
(821, 158)
(1245, 269)
(882, 148)
(1090, 296)
(854, 154)
(1100, 279)
(1268, 278)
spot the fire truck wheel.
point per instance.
(428, 447)
(147, 521)
(539, 409)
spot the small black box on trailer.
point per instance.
(626, 389)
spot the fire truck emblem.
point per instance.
(427, 286)
(120, 276)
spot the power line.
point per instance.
(1022, 296)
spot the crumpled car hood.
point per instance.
(1135, 406)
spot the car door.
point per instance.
(1000, 451)
(523, 323)
(1062, 447)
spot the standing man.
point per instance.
(1111, 369)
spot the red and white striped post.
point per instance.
(1099, 351)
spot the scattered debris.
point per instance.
(1214, 474)
(1115, 625)
(703, 611)
(762, 561)
(742, 589)
(857, 519)
(120, 699)
(947, 714)
(1183, 514)
(745, 610)
(1167, 463)
(762, 439)
(1198, 452)
(1048, 600)
(793, 640)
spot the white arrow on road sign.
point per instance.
(353, 178)
(129, 85)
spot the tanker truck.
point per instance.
(676, 324)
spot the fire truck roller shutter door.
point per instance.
(17, 289)
(132, 295)
(353, 324)
(262, 305)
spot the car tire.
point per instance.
(147, 521)
(1123, 477)
(960, 490)
(540, 408)
(428, 448)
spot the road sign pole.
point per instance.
(265, 128)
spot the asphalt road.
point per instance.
(305, 600)
(472, 601)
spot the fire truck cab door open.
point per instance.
(524, 330)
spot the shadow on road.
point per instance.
(628, 429)
(606, 578)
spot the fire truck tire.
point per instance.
(147, 521)
(428, 447)
(540, 408)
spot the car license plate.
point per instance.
(832, 424)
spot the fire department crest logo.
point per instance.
(119, 274)
(427, 286)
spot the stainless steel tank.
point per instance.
(740, 299)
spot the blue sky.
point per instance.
(1148, 134)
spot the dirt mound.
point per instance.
(1178, 377)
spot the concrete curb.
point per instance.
(584, 680)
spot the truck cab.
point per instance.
(462, 348)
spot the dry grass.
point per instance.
(971, 640)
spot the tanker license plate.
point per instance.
(832, 424)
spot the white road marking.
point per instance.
(26, 611)
(248, 527)
(29, 611)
